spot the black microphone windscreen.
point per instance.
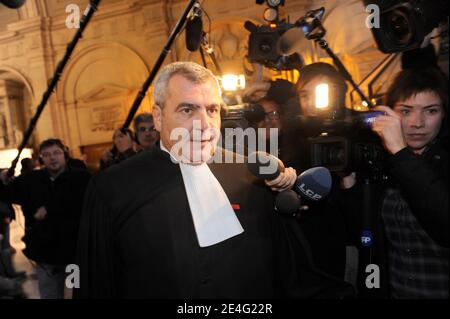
(290, 41)
(287, 202)
(250, 26)
(194, 33)
(314, 183)
(263, 165)
(13, 4)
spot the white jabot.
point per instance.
(214, 218)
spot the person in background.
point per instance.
(123, 148)
(144, 128)
(51, 199)
(410, 213)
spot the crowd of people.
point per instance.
(154, 223)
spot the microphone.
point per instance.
(264, 165)
(13, 4)
(289, 42)
(314, 183)
(194, 30)
(250, 26)
(288, 202)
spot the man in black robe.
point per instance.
(145, 232)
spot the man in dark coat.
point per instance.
(51, 199)
(165, 224)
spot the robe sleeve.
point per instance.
(95, 253)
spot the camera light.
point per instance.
(233, 82)
(270, 14)
(322, 93)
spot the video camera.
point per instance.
(404, 24)
(241, 115)
(346, 144)
(264, 39)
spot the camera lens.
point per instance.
(265, 46)
(333, 154)
(399, 27)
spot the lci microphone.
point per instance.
(264, 165)
(313, 185)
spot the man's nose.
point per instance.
(204, 119)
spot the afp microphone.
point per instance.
(264, 165)
(194, 30)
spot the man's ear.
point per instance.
(157, 117)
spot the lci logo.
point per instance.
(366, 238)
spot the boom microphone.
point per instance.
(194, 30)
(13, 4)
(290, 41)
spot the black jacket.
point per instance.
(423, 183)
(52, 240)
(137, 239)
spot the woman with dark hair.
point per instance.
(123, 148)
(410, 221)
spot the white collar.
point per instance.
(214, 218)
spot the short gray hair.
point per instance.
(193, 72)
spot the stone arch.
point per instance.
(97, 90)
(16, 106)
(16, 74)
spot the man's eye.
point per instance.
(432, 111)
(214, 111)
(186, 110)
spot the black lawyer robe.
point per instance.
(137, 238)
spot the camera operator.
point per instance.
(323, 223)
(410, 220)
(123, 148)
(278, 101)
